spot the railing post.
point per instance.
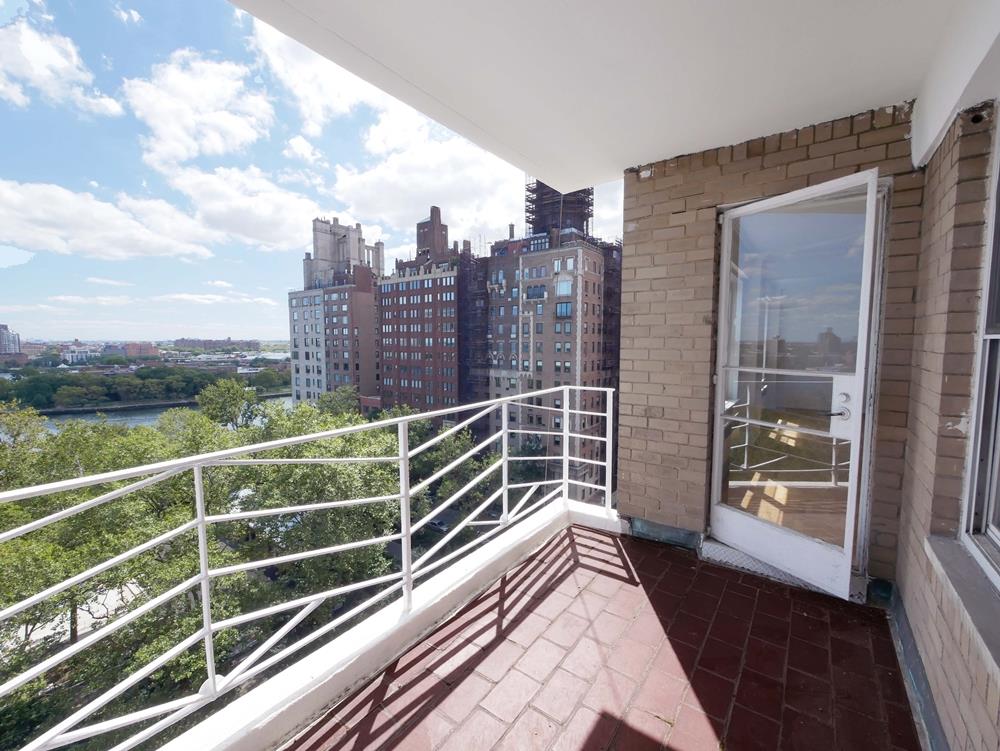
(565, 437)
(505, 453)
(404, 514)
(206, 589)
(609, 449)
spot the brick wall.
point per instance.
(669, 293)
(964, 679)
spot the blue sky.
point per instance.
(161, 162)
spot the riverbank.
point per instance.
(140, 406)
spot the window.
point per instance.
(564, 309)
(564, 288)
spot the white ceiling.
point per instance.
(575, 91)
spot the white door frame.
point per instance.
(814, 561)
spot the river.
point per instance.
(130, 417)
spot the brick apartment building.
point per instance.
(333, 318)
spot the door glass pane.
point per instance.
(795, 284)
(783, 399)
(787, 477)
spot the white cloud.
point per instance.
(10, 256)
(127, 15)
(609, 201)
(198, 298)
(51, 65)
(93, 184)
(105, 282)
(46, 217)
(321, 89)
(299, 148)
(31, 308)
(219, 283)
(102, 300)
(194, 106)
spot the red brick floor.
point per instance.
(603, 642)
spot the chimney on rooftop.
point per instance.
(510, 229)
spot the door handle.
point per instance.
(845, 413)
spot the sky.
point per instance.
(161, 164)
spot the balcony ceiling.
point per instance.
(573, 92)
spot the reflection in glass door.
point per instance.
(795, 314)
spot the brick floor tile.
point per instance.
(711, 694)
(800, 732)
(891, 684)
(674, 584)
(464, 697)
(365, 700)
(540, 659)
(700, 604)
(737, 605)
(588, 605)
(730, 629)
(566, 629)
(852, 657)
(425, 690)
(774, 605)
(849, 627)
(809, 658)
(627, 602)
(749, 731)
(708, 584)
(760, 693)
(812, 630)
(606, 585)
(371, 731)
(479, 731)
(608, 628)
(551, 604)
(857, 692)
(647, 629)
(809, 695)
(689, 629)
(766, 658)
(587, 730)
(630, 657)
(855, 732)
(660, 694)
(640, 731)
(510, 696)
(459, 659)
(902, 731)
(695, 731)
(721, 658)
(675, 659)
(560, 694)
(533, 731)
(769, 628)
(425, 735)
(526, 629)
(733, 587)
(884, 652)
(586, 658)
(610, 692)
(664, 605)
(495, 662)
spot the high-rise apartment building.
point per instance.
(10, 341)
(333, 318)
(422, 332)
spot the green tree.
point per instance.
(229, 402)
(341, 401)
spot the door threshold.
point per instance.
(717, 552)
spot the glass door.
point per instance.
(795, 304)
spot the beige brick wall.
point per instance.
(933, 260)
(669, 293)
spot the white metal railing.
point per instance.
(68, 729)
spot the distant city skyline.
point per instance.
(162, 168)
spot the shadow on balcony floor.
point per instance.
(604, 642)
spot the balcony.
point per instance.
(528, 619)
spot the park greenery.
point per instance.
(230, 415)
(46, 389)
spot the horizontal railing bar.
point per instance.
(156, 727)
(539, 406)
(424, 484)
(490, 523)
(79, 508)
(277, 511)
(95, 636)
(417, 526)
(514, 485)
(535, 432)
(588, 437)
(478, 541)
(268, 643)
(533, 458)
(595, 462)
(571, 387)
(124, 720)
(65, 584)
(453, 429)
(583, 484)
(584, 412)
(536, 505)
(520, 504)
(456, 529)
(115, 691)
(302, 460)
(315, 634)
(281, 607)
(292, 557)
(190, 461)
